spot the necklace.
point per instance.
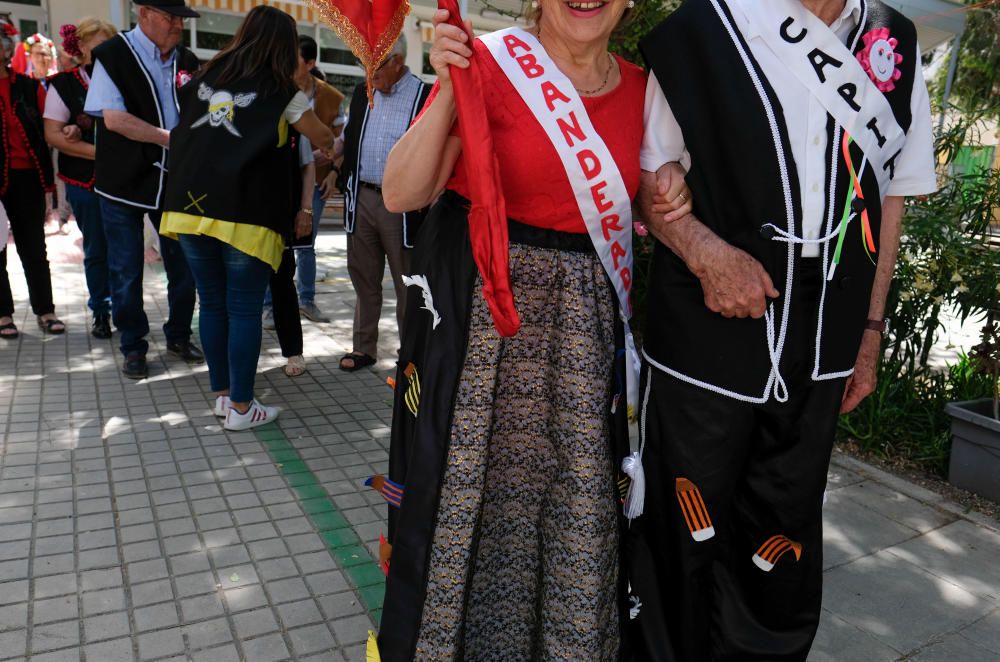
(607, 75)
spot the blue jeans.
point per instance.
(86, 207)
(231, 288)
(123, 228)
(305, 257)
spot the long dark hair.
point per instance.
(266, 41)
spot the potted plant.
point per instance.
(975, 424)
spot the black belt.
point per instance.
(369, 185)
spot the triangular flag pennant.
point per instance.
(368, 27)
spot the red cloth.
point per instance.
(17, 145)
(368, 28)
(487, 213)
(531, 173)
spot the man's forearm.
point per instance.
(892, 224)
(135, 129)
(682, 236)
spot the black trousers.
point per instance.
(25, 205)
(285, 306)
(727, 558)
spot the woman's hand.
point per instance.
(673, 197)
(450, 47)
(72, 133)
(303, 224)
(329, 184)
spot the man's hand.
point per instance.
(862, 382)
(734, 283)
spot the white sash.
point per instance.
(597, 184)
(817, 58)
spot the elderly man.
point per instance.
(373, 233)
(806, 123)
(133, 92)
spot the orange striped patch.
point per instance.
(773, 549)
(694, 509)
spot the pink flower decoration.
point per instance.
(879, 59)
(71, 42)
(640, 228)
(183, 78)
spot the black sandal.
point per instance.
(49, 326)
(360, 361)
(9, 326)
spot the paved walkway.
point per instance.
(132, 527)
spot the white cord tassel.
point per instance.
(636, 497)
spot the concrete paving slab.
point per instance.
(840, 641)
(962, 553)
(901, 604)
(852, 530)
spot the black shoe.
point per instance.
(135, 367)
(187, 351)
(101, 328)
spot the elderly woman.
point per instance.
(24, 180)
(41, 53)
(71, 132)
(505, 544)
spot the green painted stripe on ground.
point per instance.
(362, 571)
(341, 541)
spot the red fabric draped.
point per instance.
(488, 214)
(368, 27)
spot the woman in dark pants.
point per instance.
(284, 297)
(25, 177)
(71, 132)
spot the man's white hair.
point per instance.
(399, 48)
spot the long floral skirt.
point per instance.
(524, 559)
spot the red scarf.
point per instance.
(488, 215)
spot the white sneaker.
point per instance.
(267, 320)
(256, 415)
(221, 406)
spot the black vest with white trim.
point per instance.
(72, 89)
(126, 170)
(233, 156)
(725, 106)
(354, 135)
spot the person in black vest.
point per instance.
(133, 95)
(375, 235)
(71, 131)
(806, 123)
(234, 189)
(25, 177)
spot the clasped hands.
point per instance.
(734, 284)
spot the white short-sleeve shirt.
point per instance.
(805, 118)
(55, 108)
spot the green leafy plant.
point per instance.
(946, 264)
